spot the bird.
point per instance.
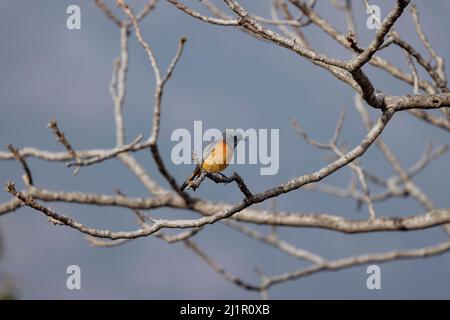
(216, 156)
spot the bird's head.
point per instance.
(233, 137)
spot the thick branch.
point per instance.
(386, 26)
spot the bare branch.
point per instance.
(438, 122)
(142, 219)
(298, 34)
(338, 129)
(111, 154)
(148, 7)
(160, 82)
(197, 15)
(22, 161)
(360, 260)
(250, 24)
(385, 27)
(218, 268)
(414, 73)
(214, 212)
(107, 11)
(10, 206)
(117, 88)
(410, 186)
(140, 39)
(441, 83)
(428, 156)
(440, 62)
(273, 241)
(305, 136)
(332, 145)
(60, 137)
(217, 178)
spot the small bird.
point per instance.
(216, 156)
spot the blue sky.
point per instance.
(227, 79)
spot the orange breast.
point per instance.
(218, 159)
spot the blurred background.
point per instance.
(227, 79)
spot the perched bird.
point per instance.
(216, 156)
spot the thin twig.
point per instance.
(414, 73)
(440, 67)
(111, 154)
(107, 11)
(213, 212)
(160, 82)
(217, 178)
(60, 137)
(359, 260)
(23, 162)
(218, 268)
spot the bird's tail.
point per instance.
(191, 178)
